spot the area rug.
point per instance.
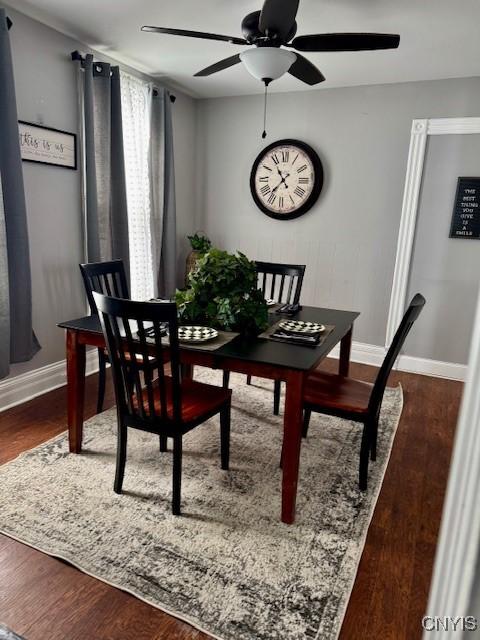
(228, 565)
(8, 634)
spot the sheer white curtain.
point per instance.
(136, 117)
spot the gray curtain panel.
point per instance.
(17, 340)
(4, 295)
(163, 218)
(105, 187)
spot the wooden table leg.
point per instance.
(292, 438)
(187, 371)
(75, 390)
(345, 348)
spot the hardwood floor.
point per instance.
(43, 598)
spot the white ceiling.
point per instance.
(439, 38)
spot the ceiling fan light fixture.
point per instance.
(267, 63)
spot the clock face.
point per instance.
(286, 179)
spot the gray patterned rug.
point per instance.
(228, 565)
(7, 634)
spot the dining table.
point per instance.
(255, 356)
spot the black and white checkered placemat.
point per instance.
(300, 326)
(196, 334)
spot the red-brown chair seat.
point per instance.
(198, 399)
(336, 392)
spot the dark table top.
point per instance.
(261, 350)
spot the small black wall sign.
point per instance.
(466, 210)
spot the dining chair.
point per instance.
(283, 284)
(160, 404)
(355, 400)
(110, 279)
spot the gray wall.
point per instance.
(446, 270)
(47, 93)
(348, 240)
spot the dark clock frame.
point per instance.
(317, 187)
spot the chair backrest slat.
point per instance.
(132, 365)
(161, 378)
(282, 284)
(272, 287)
(175, 368)
(117, 286)
(113, 335)
(133, 332)
(108, 289)
(290, 287)
(146, 366)
(264, 284)
(108, 278)
(411, 315)
(290, 274)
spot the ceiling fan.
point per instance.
(273, 28)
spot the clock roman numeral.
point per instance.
(265, 167)
(296, 157)
(304, 180)
(299, 192)
(275, 158)
(280, 202)
(271, 198)
(263, 179)
(265, 190)
(285, 155)
(293, 201)
(302, 168)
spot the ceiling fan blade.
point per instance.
(194, 34)
(305, 71)
(278, 17)
(219, 66)
(346, 42)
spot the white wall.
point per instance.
(348, 240)
(46, 90)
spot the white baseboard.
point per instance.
(373, 355)
(435, 368)
(35, 383)
(29, 385)
(363, 353)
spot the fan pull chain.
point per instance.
(264, 134)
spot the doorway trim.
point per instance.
(421, 129)
(458, 548)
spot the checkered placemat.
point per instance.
(268, 334)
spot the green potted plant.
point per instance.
(222, 292)
(200, 244)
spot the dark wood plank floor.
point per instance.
(41, 597)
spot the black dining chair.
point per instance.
(355, 400)
(147, 398)
(110, 279)
(282, 283)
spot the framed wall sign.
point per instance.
(47, 145)
(466, 210)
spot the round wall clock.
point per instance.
(286, 179)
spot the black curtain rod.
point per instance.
(76, 55)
